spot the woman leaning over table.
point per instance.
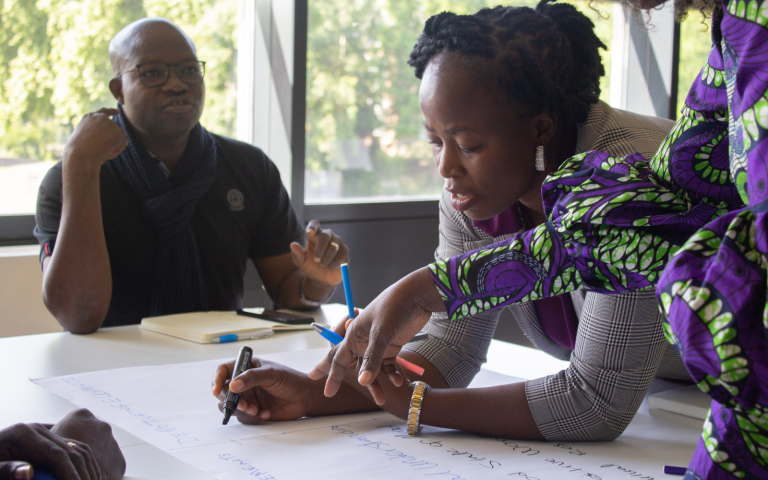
(495, 86)
(679, 223)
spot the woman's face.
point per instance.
(483, 143)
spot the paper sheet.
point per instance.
(172, 408)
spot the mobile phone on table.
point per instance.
(275, 316)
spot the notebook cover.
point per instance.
(203, 327)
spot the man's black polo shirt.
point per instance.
(246, 214)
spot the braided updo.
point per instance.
(547, 58)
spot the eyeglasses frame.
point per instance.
(168, 76)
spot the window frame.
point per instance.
(17, 230)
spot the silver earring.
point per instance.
(540, 164)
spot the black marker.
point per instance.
(241, 365)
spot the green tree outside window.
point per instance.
(364, 131)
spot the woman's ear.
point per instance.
(545, 127)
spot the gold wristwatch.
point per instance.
(414, 411)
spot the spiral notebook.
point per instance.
(211, 327)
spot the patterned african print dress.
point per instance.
(615, 224)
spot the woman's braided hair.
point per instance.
(548, 57)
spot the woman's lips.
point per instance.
(462, 202)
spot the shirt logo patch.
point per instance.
(236, 200)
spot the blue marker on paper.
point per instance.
(327, 333)
(347, 289)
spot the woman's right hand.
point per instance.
(32, 443)
(379, 333)
(268, 391)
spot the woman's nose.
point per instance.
(449, 162)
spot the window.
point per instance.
(695, 46)
(364, 137)
(54, 69)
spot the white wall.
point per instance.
(22, 311)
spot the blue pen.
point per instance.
(347, 289)
(234, 337)
(327, 333)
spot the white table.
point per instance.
(55, 354)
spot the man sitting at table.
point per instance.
(168, 224)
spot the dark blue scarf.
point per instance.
(169, 204)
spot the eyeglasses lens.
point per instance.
(156, 74)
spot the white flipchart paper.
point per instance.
(171, 407)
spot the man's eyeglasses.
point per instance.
(155, 74)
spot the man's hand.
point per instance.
(324, 254)
(95, 140)
(24, 444)
(268, 391)
(85, 429)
